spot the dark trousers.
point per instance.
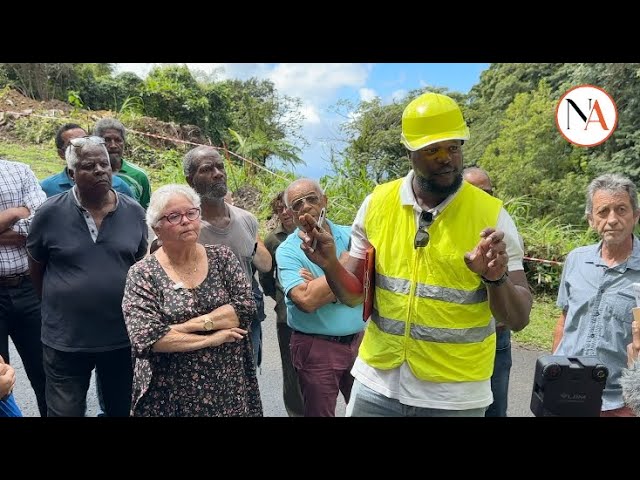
(324, 370)
(290, 386)
(69, 374)
(500, 377)
(20, 319)
(255, 329)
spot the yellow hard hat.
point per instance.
(432, 118)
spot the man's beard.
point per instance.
(211, 191)
(115, 159)
(427, 185)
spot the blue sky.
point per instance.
(321, 85)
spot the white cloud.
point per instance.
(318, 85)
(140, 69)
(353, 116)
(315, 82)
(310, 114)
(398, 94)
(367, 94)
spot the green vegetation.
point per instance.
(43, 159)
(539, 333)
(269, 121)
(540, 176)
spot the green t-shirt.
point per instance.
(138, 180)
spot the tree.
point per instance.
(373, 132)
(489, 99)
(40, 81)
(258, 145)
(258, 112)
(620, 153)
(98, 89)
(530, 158)
(170, 93)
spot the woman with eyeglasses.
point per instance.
(187, 308)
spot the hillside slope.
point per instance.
(27, 134)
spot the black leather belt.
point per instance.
(13, 281)
(331, 338)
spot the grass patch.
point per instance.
(539, 333)
(43, 159)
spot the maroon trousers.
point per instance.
(324, 370)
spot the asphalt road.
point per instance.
(270, 379)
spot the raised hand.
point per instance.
(489, 257)
(325, 250)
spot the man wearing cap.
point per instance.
(447, 260)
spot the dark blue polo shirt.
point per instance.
(84, 281)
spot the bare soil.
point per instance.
(14, 105)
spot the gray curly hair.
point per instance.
(109, 123)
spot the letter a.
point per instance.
(598, 110)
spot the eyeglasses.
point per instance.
(422, 235)
(311, 199)
(175, 218)
(82, 141)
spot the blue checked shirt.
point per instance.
(19, 187)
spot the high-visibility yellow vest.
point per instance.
(430, 310)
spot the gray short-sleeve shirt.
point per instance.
(240, 236)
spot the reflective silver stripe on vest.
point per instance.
(451, 295)
(432, 334)
(387, 325)
(395, 285)
(452, 335)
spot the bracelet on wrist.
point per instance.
(497, 282)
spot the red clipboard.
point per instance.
(369, 282)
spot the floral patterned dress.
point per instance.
(211, 382)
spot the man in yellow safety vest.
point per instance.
(447, 263)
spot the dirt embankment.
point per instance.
(151, 131)
(14, 105)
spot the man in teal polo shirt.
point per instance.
(114, 135)
(326, 334)
(61, 182)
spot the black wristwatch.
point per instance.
(495, 283)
